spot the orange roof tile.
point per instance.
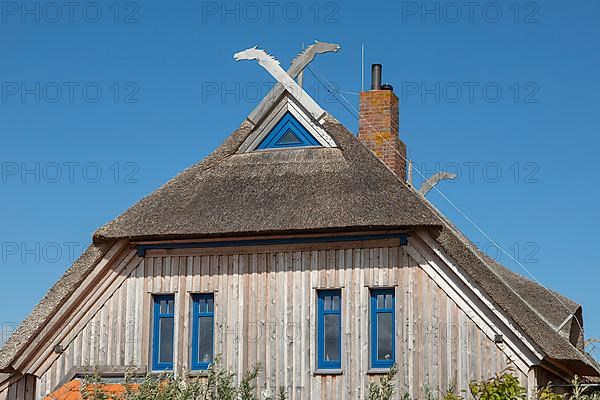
(72, 390)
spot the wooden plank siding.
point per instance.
(265, 306)
(19, 388)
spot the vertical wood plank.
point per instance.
(266, 311)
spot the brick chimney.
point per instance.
(378, 124)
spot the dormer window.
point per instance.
(286, 126)
(288, 132)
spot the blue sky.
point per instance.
(102, 102)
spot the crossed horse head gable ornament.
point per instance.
(285, 79)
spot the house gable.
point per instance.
(110, 313)
(309, 215)
(435, 334)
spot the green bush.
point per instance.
(282, 395)
(451, 393)
(503, 386)
(580, 391)
(546, 393)
(219, 384)
(384, 390)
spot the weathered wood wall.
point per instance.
(19, 388)
(265, 305)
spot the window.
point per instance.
(203, 315)
(329, 336)
(383, 343)
(163, 333)
(288, 132)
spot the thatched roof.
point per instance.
(275, 191)
(330, 188)
(309, 190)
(531, 306)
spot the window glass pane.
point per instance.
(202, 305)
(165, 340)
(171, 308)
(327, 302)
(163, 306)
(389, 301)
(380, 301)
(289, 138)
(336, 302)
(211, 305)
(332, 337)
(384, 336)
(205, 339)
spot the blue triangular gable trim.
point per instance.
(288, 124)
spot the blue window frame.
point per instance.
(163, 332)
(203, 314)
(329, 331)
(383, 326)
(288, 132)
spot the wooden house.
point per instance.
(300, 246)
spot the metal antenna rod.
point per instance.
(362, 69)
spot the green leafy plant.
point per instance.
(503, 386)
(218, 384)
(546, 393)
(247, 389)
(580, 392)
(406, 396)
(91, 387)
(384, 390)
(282, 394)
(429, 392)
(451, 393)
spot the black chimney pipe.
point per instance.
(376, 77)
